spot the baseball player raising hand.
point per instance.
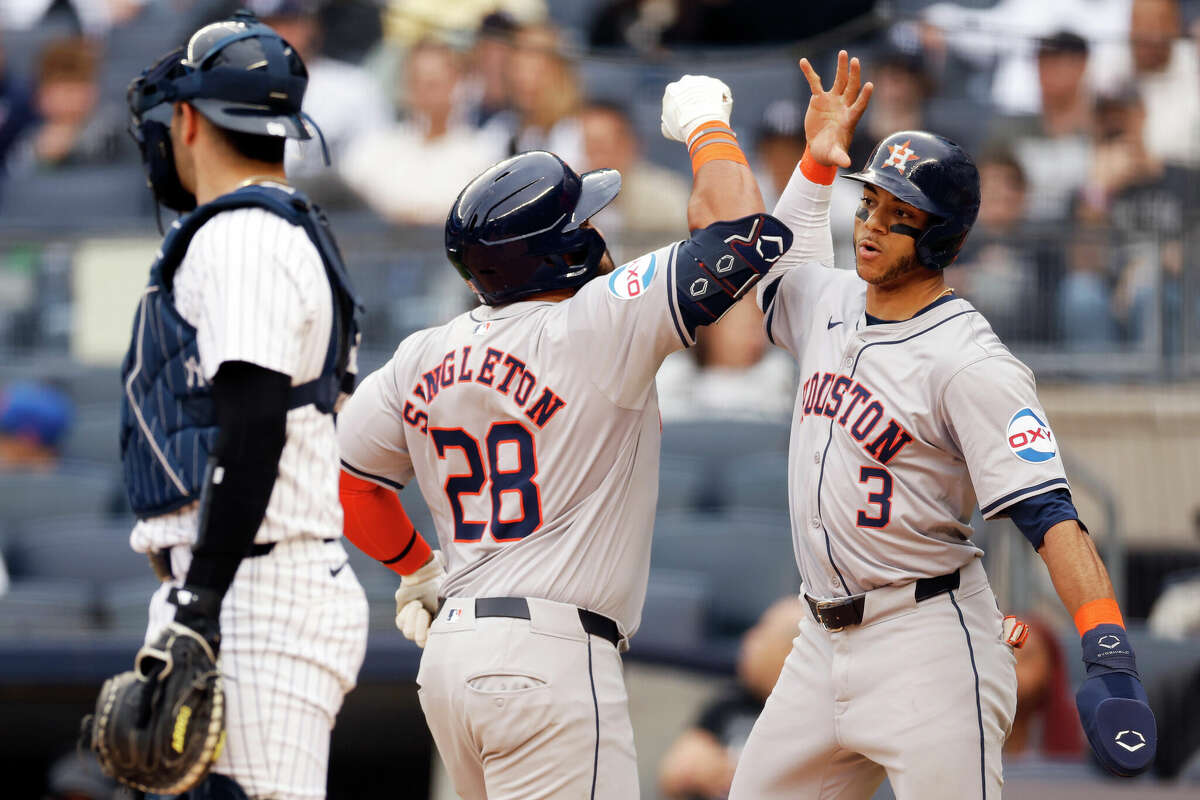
(910, 413)
(531, 425)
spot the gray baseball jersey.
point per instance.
(533, 431)
(898, 430)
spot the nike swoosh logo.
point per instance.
(333, 572)
(831, 324)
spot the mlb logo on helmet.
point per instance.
(633, 279)
(1030, 438)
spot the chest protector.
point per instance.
(168, 421)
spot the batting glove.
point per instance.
(1112, 703)
(417, 599)
(692, 100)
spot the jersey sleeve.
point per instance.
(626, 323)
(789, 290)
(246, 294)
(992, 411)
(370, 429)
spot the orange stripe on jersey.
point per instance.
(377, 524)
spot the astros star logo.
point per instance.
(899, 156)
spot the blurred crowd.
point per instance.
(1084, 117)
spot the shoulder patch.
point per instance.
(1029, 438)
(633, 279)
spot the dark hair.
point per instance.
(1002, 156)
(1063, 42)
(254, 146)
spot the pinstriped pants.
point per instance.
(293, 637)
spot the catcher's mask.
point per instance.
(239, 74)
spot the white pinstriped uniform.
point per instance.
(294, 622)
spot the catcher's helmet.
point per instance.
(935, 175)
(238, 73)
(515, 230)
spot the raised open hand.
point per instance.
(832, 115)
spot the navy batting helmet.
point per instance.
(516, 229)
(931, 173)
(238, 73)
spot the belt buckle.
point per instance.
(822, 607)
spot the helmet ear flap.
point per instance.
(938, 245)
(158, 156)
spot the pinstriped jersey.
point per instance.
(533, 431)
(255, 288)
(898, 430)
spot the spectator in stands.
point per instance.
(1055, 146)
(343, 99)
(902, 88)
(778, 147)
(73, 128)
(486, 90)
(729, 374)
(701, 761)
(408, 21)
(546, 96)
(34, 420)
(652, 199)
(1166, 70)
(1046, 724)
(1004, 40)
(1146, 204)
(1085, 302)
(1176, 611)
(1006, 267)
(93, 17)
(77, 776)
(410, 172)
(16, 109)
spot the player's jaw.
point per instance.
(885, 249)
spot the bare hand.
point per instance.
(832, 116)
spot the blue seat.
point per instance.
(675, 611)
(759, 481)
(682, 483)
(125, 603)
(745, 555)
(55, 607)
(86, 548)
(71, 489)
(95, 436)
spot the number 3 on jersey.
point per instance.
(881, 499)
(503, 441)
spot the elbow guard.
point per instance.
(720, 263)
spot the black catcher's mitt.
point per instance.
(160, 726)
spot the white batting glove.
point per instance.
(692, 100)
(417, 599)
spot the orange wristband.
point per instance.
(1098, 612)
(817, 173)
(714, 141)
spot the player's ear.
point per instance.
(188, 118)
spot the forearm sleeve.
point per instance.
(251, 408)
(377, 524)
(804, 208)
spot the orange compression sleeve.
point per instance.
(377, 524)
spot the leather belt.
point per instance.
(844, 612)
(518, 608)
(160, 560)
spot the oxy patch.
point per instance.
(1029, 438)
(633, 279)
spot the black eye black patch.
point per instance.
(906, 230)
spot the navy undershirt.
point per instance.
(946, 299)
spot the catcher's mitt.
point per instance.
(160, 726)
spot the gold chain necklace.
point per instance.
(253, 179)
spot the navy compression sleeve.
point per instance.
(1038, 514)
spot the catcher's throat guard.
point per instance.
(160, 726)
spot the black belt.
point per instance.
(837, 614)
(160, 560)
(518, 608)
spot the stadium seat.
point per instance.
(87, 548)
(721, 441)
(682, 483)
(124, 604)
(91, 197)
(745, 555)
(674, 615)
(759, 481)
(47, 608)
(95, 435)
(70, 489)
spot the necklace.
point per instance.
(949, 290)
(253, 179)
